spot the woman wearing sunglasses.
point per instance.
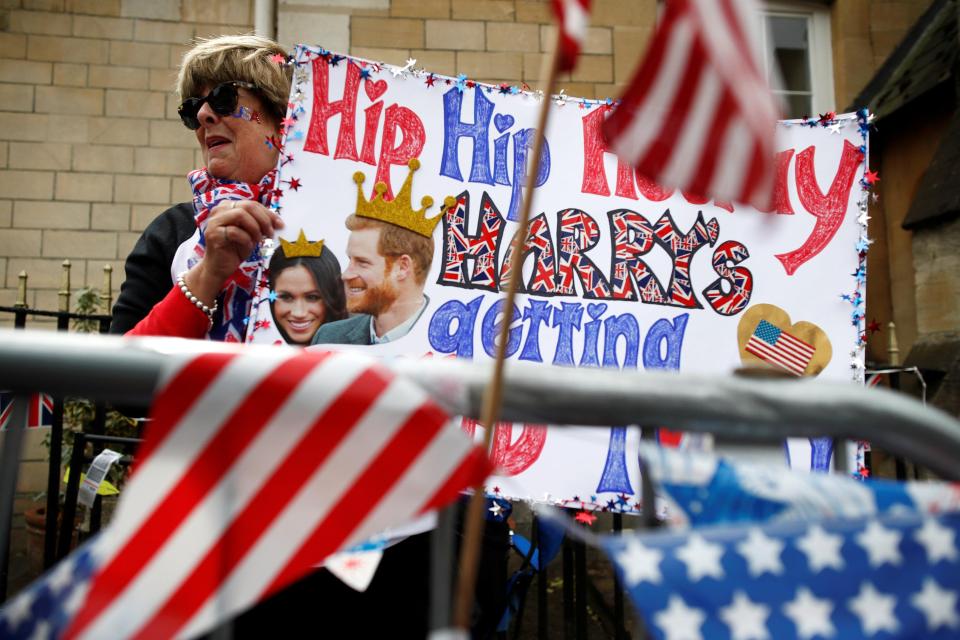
(192, 274)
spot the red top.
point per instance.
(174, 316)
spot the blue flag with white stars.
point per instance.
(895, 575)
(697, 488)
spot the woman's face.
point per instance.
(234, 147)
(299, 307)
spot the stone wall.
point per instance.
(91, 148)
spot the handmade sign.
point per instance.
(413, 181)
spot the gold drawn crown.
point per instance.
(399, 211)
(302, 248)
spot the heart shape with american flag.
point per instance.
(767, 338)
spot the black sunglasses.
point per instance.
(222, 99)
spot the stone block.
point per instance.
(212, 30)
(51, 215)
(368, 7)
(629, 43)
(92, 187)
(593, 69)
(43, 5)
(63, 128)
(142, 190)
(598, 40)
(177, 51)
(162, 161)
(489, 66)
(113, 217)
(79, 244)
(632, 13)
(420, 8)
(100, 158)
(510, 36)
(444, 62)
(69, 75)
(139, 54)
(124, 131)
(155, 31)
(125, 244)
(164, 80)
(156, 9)
(390, 56)
(13, 45)
(116, 77)
(40, 23)
(16, 97)
(143, 214)
(4, 147)
(100, 27)
(135, 104)
(32, 476)
(23, 126)
(39, 155)
(6, 216)
(75, 50)
(456, 35)
(19, 243)
(28, 185)
(68, 100)
(497, 10)
(94, 7)
(25, 71)
(217, 11)
(533, 11)
(180, 189)
(331, 31)
(167, 133)
(394, 33)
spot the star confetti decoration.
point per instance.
(504, 88)
(365, 73)
(825, 118)
(461, 82)
(294, 183)
(278, 58)
(835, 128)
(430, 80)
(873, 326)
(585, 517)
(871, 177)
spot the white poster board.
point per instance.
(619, 272)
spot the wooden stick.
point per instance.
(490, 414)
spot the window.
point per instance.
(798, 57)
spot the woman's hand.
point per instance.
(234, 229)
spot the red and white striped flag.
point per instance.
(573, 18)
(698, 114)
(255, 468)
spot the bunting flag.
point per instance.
(39, 410)
(781, 554)
(889, 576)
(573, 18)
(698, 113)
(698, 488)
(255, 468)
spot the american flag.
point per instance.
(39, 410)
(255, 468)
(891, 576)
(698, 113)
(779, 348)
(573, 18)
(781, 554)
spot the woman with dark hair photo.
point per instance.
(305, 289)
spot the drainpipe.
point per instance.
(264, 18)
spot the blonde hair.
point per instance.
(241, 57)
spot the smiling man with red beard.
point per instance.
(390, 250)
